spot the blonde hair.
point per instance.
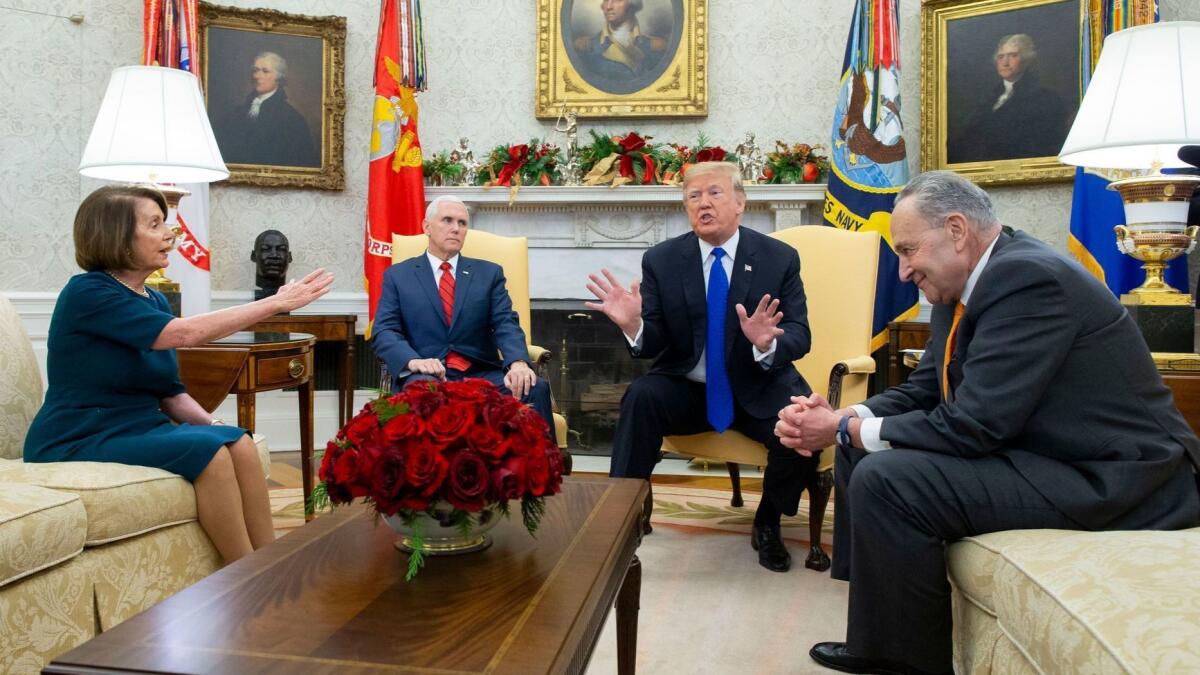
(727, 169)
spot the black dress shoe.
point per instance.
(835, 655)
(771, 552)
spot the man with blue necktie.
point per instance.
(717, 365)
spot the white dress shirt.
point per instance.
(436, 263)
(697, 373)
(257, 103)
(872, 426)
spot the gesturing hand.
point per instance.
(296, 294)
(761, 327)
(622, 307)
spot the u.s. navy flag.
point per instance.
(868, 159)
(1096, 210)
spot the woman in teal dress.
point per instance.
(114, 392)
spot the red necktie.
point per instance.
(454, 360)
(950, 338)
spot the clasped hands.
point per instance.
(624, 308)
(519, 379)
(808, 424)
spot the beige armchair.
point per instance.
(512, 254)
(838, 268)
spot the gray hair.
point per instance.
(635, 6)
(278, 64)
(432, 209)
(1023, 43)
(937, 194)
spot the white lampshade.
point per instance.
(152, 126)
(1143, 102)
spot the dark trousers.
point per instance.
(538, 397)
(894, 510)
(657, 405)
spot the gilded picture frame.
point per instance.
(999, 87)
(655, 63)
(274, 84)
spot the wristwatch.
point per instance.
(843, 432)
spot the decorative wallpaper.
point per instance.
(773, 70)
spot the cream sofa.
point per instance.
(1053, 601)
(83, 545)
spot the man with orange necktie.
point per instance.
(1037, 405)
(442, 316)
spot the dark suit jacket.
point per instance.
(1031, 123)
(1051, 372)
(410, 323)
(675, 316)
(279, 136)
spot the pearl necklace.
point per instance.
(144, 293)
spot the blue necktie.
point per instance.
(718, 396)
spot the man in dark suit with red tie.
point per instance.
(1036, 405)
(443, 316)
(717, 365)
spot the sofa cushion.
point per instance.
(39, 528)
(1102, 602)
(971, 564)
(21, 395)
(121, 500)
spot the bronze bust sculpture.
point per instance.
(271, 254)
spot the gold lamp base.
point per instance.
(158, 280)
(1156, 207)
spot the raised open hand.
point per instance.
(296, 294)
(761, 327)
(622, 307)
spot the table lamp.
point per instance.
(1141, 107)
(153, 128)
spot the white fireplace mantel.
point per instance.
(576, 230)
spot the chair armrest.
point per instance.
(856, 365)
(539, 355)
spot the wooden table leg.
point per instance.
(628, 603)
(245, 411)
(306, 439)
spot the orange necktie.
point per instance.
(454, 360)
(958, 313)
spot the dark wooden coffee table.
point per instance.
(330, 597)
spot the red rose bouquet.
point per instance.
(444, 449)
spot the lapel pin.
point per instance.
(748, 268)
(466, 271)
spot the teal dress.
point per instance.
(106, 382)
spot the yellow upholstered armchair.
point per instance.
(512, 254)
(838, 268)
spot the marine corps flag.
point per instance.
(1096, 210)
(395, 189)
(868, 162)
